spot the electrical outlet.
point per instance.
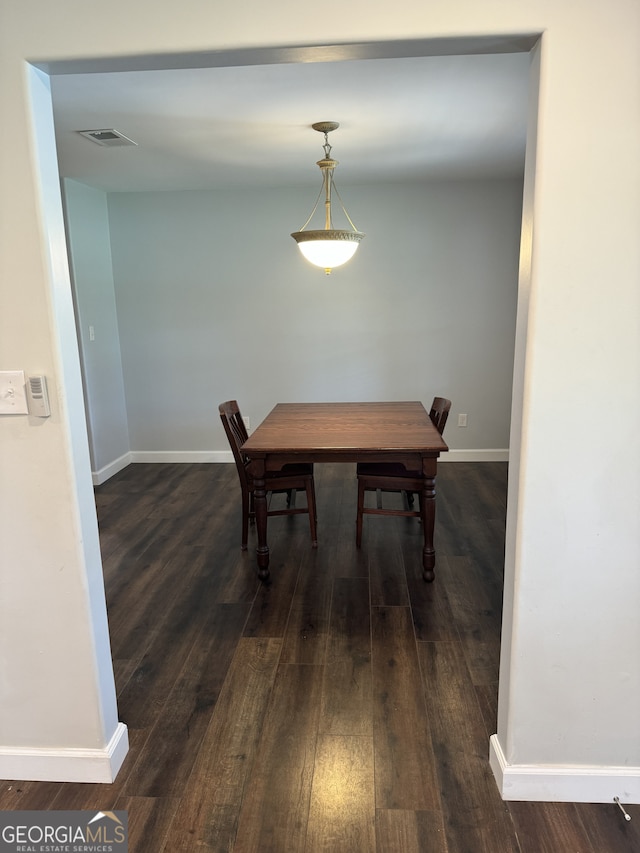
(247, 422)
(462, 420)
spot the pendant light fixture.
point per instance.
(328, 247)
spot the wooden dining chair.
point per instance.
(381, 477)
(290, 479)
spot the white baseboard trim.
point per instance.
(489, 455)
(66, 765)
(225, 456)
(101, 476)
(181, 456)
(562, 783)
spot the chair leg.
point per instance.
(311, 507)
(315, 505)
(246, 501)
(359, 515)
(423, 511)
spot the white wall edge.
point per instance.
(66, 765)
(555, 783)
(109, 470)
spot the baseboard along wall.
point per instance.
(562, 783)
(66, 764)
(225, 456)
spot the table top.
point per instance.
(346, 428)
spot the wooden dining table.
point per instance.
(345, 432)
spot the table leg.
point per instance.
(428, 523)
(262, 551)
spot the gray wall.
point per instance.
(95, 306)
(214, 301)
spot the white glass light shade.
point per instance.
(328, 248)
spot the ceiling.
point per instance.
(405, 118)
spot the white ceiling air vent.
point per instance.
(109, 137)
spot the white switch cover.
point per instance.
(13, 394)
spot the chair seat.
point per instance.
(386, 469)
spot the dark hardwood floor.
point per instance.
(347, 706)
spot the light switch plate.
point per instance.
(13, 394)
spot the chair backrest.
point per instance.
(440, 412)
(236, 433)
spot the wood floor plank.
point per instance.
(215, 835)
(305, 639)
(347, 701)
(123, 669)
(405, 765)
(149, 820)
(27, 796)
(197, 518)
(471, 518)
(181, 491)
(471, 497)
(155, 590)
(175, 630)
(270, 612)
(330, 481)
(79, 796)
(399, 831)
(350, 627)
(386, 565)
(487, 695)
(236, 576)
(212, 796)
(176, 738)
(430, 606)
(127, 534)
(349, 560)
(477, 618)
(342, 810)
(475, 817)
(232, 571)
(607, 828)
(549, 827)
(275, 808)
